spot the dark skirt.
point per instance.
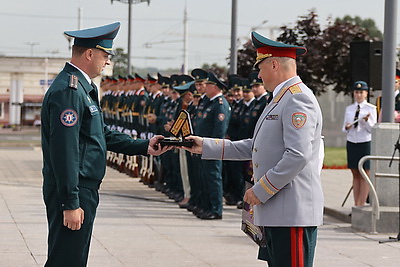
(355, 151)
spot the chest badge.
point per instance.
(93, 109)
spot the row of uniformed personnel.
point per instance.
(143, 107)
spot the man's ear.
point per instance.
(275, 64)
(89, 54)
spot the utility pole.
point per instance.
(130, 2)
(233, 60)
(31, 44)
(389, 60)
(185, 41)
(80, 11)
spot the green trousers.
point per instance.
(66, 247)
(289, 246)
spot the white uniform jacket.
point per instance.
(286, 155)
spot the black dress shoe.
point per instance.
(178, 197)
(211, 216)
(199, 212)
(231, 202)
(239, 205)
(191, 207)
(184, 206)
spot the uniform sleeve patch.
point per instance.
(221, 116)
(299, 119)
(69, 117)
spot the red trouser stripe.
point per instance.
(296, 246)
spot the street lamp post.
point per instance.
(130, 2)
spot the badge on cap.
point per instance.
(299, 119)
(69, 117)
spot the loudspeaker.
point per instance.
(366, 63)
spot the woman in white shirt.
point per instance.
(359, 119)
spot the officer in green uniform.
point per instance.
(262, 99)
(232, 170)
(213, 122)
(245, 131)
(198, 200)
(74, 143)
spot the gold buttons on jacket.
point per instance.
(255, 149)
(256, 165)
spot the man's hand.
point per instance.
(73, 219)
(251, 198)
(197, 147)
(155, 147)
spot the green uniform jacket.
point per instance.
(75, 139)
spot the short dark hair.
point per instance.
(78, 50)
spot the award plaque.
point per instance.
(256, 233)
(181, 128)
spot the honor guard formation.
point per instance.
(144, 106)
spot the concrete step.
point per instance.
(361, 219)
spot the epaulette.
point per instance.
(73, 82)
(220, 101)
(294, 89)
(141, 93)
(278, 97)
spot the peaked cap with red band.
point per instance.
(139, 78)
(267, 48)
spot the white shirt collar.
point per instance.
(279, 87)
(361, 104)
(249, 102)
(83, 73)
(261, 96)
(214, 97)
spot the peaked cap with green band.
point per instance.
(99, 37)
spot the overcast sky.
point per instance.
(36, 26)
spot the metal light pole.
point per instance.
(233, 61)
(185, 42)
(130, 2)
(389, 60)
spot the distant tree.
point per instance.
(369, 24)
(245, 60)
(221, 72)
(307, 33)
(327, 61)
(336, 53)
(120, 60)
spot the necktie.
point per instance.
(356, 116)
(269, 98)
(93, 94)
